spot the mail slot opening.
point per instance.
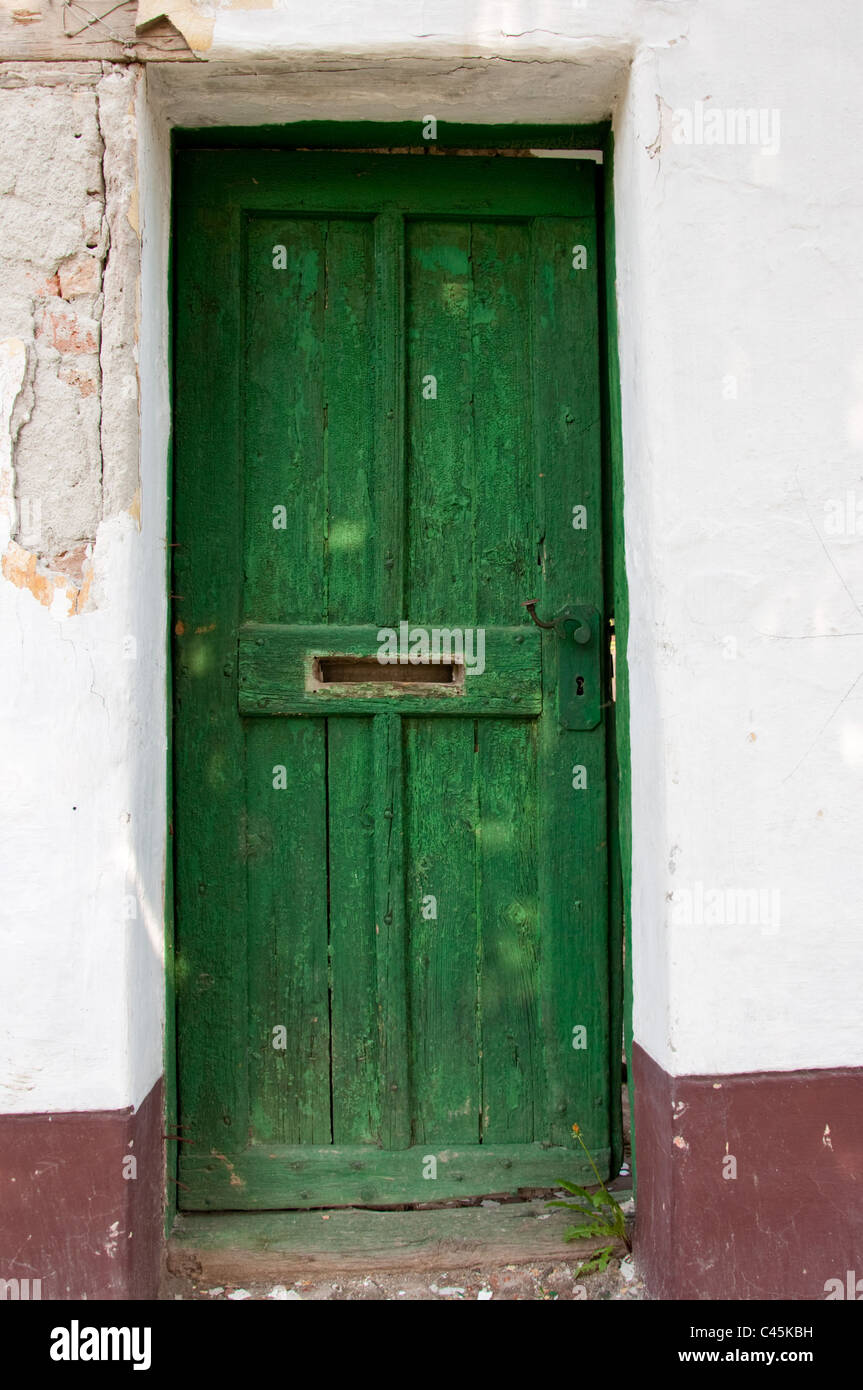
(364, 670)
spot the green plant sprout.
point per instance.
(604, 1216)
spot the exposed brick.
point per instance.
(85, 382)
(67, 332)
(80, 275)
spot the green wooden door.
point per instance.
(391, 897)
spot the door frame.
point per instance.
(596, 141)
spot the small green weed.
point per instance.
(601, 1215)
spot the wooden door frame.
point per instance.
(454, 138)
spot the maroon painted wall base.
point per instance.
(792, 1218)
(68, 1216)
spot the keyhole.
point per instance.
(579, 685)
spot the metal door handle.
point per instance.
(572, 622)
(575, 665)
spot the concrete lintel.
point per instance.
(490, 90)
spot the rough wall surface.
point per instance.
(83, 701)
(742, 378)
(68, 188)
(82, 622)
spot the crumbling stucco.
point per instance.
(195, 26)
(69, 270)
(118, 93)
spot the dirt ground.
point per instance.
(540, 1282)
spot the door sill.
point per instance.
(244, 1247)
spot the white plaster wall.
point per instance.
(83, 833)
(82, 699)
(746, 626)
(83, 756)
(532, 31)
(150, 602)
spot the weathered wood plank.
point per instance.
(573, 861)
(353, 941)
(349, 424)
(43, 30)
(440, 465)
(504, 542)
(276, 665)
(289, 1071)
(241, 1247)
(260, 180)
(209, 751)
(388, 368)
(507, 141)
(284, 421)
(505, 536)
(269, 1176)
(444, 1039)
(513, 1091)
(390, 932)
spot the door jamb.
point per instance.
(451, 136)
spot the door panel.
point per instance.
(391, 900)
(470, 469)
(288, 986)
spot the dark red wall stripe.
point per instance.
(68, 1217)
(791, 1220)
